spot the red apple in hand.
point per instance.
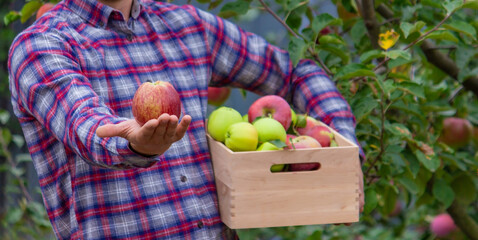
(271, 106)
(304, 142)
(216, 96)
(456, 132)
(321, 134)
(153, 99)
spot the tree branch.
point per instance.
(461, 218)
(310, 50)
(371, 23)
(437, 58)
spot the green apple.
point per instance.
(270, 129)
(294, 117)
(267, 146)
(220, 120)
(245, 118)
(241, 136)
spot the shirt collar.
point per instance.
(97, 13)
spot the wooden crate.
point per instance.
(251, 196)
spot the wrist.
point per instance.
(140, 153)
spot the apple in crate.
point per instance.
(310, 123)
(267, 146)
(219, 121)
(241, 136)
(272, 106)
(321, 134)
(152, 99)
(269, 129)
(216, 96)
(302, 142)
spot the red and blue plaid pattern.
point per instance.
(78, 67)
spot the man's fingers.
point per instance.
(171, 128)
(183, 127)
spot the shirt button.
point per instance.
(183, 178)
(200, 224)
(129, 37)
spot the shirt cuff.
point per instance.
(133, 159)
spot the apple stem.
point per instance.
(291, 143)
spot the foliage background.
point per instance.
(399, 93)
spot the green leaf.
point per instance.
(330, 39)
(464, 188)
(443, 192)
(301, 120)
(452, 5)
(340, 52)
(230, 9)
(358, 31)
(371, 200)
(431, 162)
(278, 143)
(323, 20)
(29, 9)
(473, 4)
(409, 183)
(291, 5)
(443, 35)
(394, 54)
(4, 116)
(462, 27)
(412, 88)
(12, 16)
(408, 28)
(243, 92)
(399, 129)
(297, 49)
(17, 172)
(370, 55)
(354, 70)
(14, 215)
(363, 108)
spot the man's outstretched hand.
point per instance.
(153, 138)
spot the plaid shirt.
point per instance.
(78, 67)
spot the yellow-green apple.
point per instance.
(269, 129)
(216, 96)
(442, 225)
(219, 121)
(241, 136)
(302, 142)
(267, 146)
(456, 132)
(152, 99)
(271, 106)
(310, 123)
(321, 134)
(245, 118)
(43, 9)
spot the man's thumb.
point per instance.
(107, 130)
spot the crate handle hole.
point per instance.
(295, 167)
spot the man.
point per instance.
(73, 75)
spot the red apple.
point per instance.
(321, 134)
(442, 225)
(301, 142)
(216, 96)
(310, 123)
(271, 106)
(289, 137)
(456, 132)
(153, 99)
(43, 9)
